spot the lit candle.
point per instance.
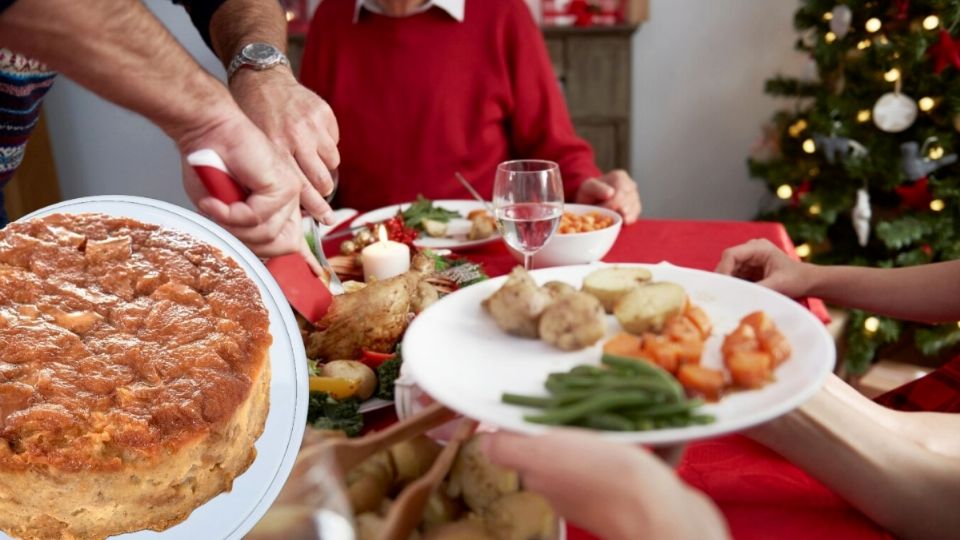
(384, 259)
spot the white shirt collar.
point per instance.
(454, 8)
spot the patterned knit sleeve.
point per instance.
(201, 11)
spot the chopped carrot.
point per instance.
(682, 329)
(661, 351)
(700, 380)
(750, 369)
(743, 339)
(700, 319)
(776, 345)
(624, 344)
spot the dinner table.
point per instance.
(761, 494)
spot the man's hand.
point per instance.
(766, 264)
(268, 221)
(613, 490)
(297, 121)
(614, 190)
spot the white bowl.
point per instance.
(577, 248)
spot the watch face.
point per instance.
(261, 53)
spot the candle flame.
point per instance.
(382, 233)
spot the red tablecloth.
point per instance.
(761, 495)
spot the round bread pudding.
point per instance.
(134, 376)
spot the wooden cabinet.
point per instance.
(593, 66)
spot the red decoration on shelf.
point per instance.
(915, 195)
(583, 12)
(927, 250)
(945, 53)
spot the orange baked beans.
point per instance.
(577, 223)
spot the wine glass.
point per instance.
(528, 201)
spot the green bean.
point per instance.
(596, 404)
(606, 381)
(665, 409)
(702, 419)
(644, 424)
(648, 368)
(528, 401)
(608, 422)
(587, 370)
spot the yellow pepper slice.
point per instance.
(337, 387)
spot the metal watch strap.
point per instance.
(239, 62)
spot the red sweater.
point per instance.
(421, 97)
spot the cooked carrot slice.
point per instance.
(661, 351)
(743, 339)
(776, 345)
(700, 380)
(699, 317)
(750, 369)
(624, 344)
(682, 329)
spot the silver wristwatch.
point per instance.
(258, 56)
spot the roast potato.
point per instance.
(357, 371)
(521, 516)
(558, 288)
(369, 483)
(517, 305)
(573, 322)
(648, 308)
(369, 526)
(440, 509)
(466, 529)
(412, 458)
(477, 480)
(609, 285)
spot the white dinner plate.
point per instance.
(231, 515)
(458, 241)
(457, 354)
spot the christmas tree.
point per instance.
(863, 163)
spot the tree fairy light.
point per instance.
(863, 44)
(932, 22)
(936, 152)
(803, 251)
(815, 209)
(926, 103)
(809, 146)
(871, 324)
(785, 191)
(892, 75)
(937, 205)
(863, 115)
(873, 25)
(829, 37)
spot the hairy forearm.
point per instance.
(927, 293)
(903, 475)
(120, 51)
(239, 22)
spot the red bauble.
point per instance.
(902, 7)
(800, 191)
(945, 52)
(915, 195)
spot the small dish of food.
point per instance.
(584, 235)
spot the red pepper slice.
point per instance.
(373, 359)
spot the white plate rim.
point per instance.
(386, 212)
(199, 525)
(415, 348)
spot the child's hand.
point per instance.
(764, 263)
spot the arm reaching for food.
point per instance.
(898, 468)
(927, 293)
(120, 51)
(623, 493)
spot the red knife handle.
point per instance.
(215, 176)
